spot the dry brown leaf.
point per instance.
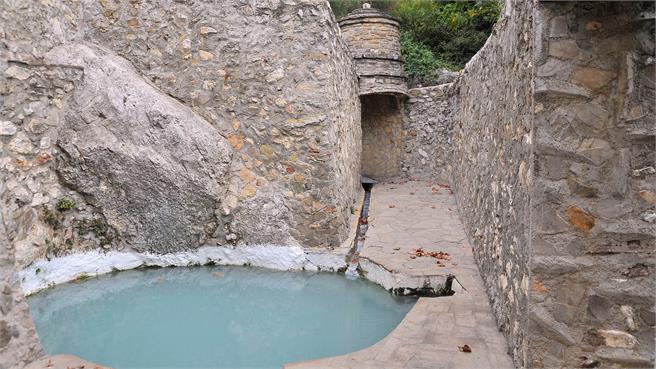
(464, 348)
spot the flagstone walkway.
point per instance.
(404, 217)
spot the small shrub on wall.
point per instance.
(421, 64)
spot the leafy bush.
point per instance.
(420, 62)
(64, 204)
(51, 218)
(454, 31)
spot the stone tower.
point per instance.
(373, 37)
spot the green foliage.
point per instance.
(420, 62)
(98, 227)
(454, 31)
(435, 34)
(51, 218)
(64, 204)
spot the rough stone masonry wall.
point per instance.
(382, 129)
(428, 120)
(491, 163)
(593, 198)
(19, 343)
(275, 79)
(251, 110)
(374, 42)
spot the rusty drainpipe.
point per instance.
(363, 225)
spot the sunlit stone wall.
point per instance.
(165, 127)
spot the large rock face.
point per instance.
(151, 166)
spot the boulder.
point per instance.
(152, 167)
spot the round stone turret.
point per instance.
(373, 38)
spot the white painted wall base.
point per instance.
(45, 273)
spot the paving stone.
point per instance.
(430, 334)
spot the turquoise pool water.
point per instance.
(213, 317)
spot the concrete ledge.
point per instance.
(63, 362)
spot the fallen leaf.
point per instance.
(440, 255)
(464, 348)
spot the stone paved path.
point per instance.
(406, 216)
(413, 215)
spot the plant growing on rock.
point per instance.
(50, 217)
(98, 227)
(64, 204)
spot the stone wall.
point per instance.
(165, 127)
(382, 129)
(428, 120)
(593, 232)
(275, 80)
(373, 38)
(19, 343)
(552, 164)
(491, 164)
